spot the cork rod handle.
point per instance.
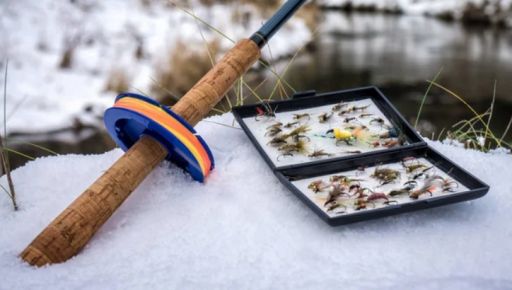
(70, 231)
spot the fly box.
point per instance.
(350, 156)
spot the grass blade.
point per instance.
(471, 109)
(4, 155)
(425, 98)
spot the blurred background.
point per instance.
(67, 60)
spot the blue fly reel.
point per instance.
(133, 116)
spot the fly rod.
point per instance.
(149, 133)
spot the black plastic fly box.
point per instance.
(350, 156)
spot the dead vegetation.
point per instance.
(311, 14)
(486, 13)
(181, 70)
(6, 169)
(70, 44)
(266, 7)
(118, 81)
(263, 5)
(4, 155)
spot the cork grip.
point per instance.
(208, 91)
(69, 232)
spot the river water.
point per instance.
(395, 52)
(399, 53)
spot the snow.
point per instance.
(34, 35)
(244, 230)
(432, 7)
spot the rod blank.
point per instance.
(262, 36)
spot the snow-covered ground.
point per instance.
(34, 35)
(432, 7)
(244, 230)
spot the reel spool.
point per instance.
(133, 116)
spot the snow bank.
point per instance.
(34, 35)
(431, 7)
(244, 230)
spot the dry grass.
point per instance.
(146, 3)
(311, 14)
(118, 81)
(263, 5)
(6, 168)
(67, 58)
(479, 14)
(5, 164)
(309, 11)
(247, 88)
(4, 155)
(70, 44)
(182, 69)
(474, 133)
